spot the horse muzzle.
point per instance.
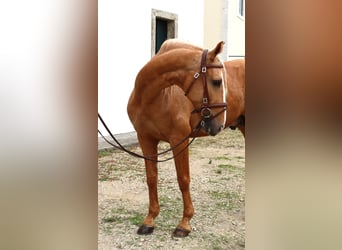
(210, 122)
(211, 126)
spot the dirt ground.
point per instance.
(217, 166)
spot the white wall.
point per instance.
(124, 33)
(236, 30)
(223, 22)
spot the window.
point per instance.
(164, 26)
(242, 8)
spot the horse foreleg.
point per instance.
(183, 177)
(149, 148)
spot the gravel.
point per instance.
(217, 166)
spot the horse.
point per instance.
(184, 91)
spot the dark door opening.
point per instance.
(161, 33)
(163, 27)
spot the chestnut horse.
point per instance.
(183, 92)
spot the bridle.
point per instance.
(205, 109)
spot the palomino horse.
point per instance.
(183, 92)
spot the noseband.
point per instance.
(205, 109)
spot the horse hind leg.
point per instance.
(149, 147)
(242, 129)
(240, 124)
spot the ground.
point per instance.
(217, 166)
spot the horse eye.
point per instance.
(217, 83)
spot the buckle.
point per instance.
(204, 69)
(196, 75)
(205, 100)
(206, 113)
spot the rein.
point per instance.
(149, 157)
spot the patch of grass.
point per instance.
(114, 168)
(225, 199)
(111, 219)
(222, 158)
(170, 212)
(220, 242)
(107, 171)
(105, 152)
(241, 242)
(103, 178)
(119, 210)
(214, 181)
(226, 178)
(136, 219)
(234, 170)
(165, 201)
(227, 166)
(122, 215)
(218, 194)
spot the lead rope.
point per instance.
(149, 157)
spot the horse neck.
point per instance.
(176, 67)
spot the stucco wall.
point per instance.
(222, 22)
(236, 30)
(213, 22)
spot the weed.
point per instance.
(105, 152)
(235, 170)
(103, 178)
(136, 219)
(222, 158)
(227, 166)
(111, 219)
(225, 199)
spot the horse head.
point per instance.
(208, 90)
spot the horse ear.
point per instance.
(217, 50)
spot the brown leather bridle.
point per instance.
(205, 109)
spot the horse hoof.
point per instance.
(180, 232)
(145, 229)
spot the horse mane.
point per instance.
(174, 43)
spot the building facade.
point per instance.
(225, 20)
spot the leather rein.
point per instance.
(204, 110)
